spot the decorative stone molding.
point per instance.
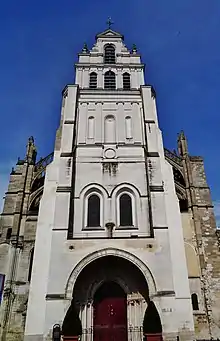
(109, 252)
(149, 121)
(156, 189)
(66, 154)
(167, 293)
(50, 297)
(64, 189)
(153, 154)
(69, 122)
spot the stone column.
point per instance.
(89, 322)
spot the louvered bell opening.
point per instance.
(110, 80)
(109, 55)
(126, 81)
(93, 81)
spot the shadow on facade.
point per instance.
(111, 295)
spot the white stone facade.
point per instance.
(111, 144)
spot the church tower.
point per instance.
(109, 254)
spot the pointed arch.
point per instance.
(152, 323)
(178, 177)
(72, 325)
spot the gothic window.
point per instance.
(34, 207)
(93, 80)
(30, 265)
(195, 303)
(125, 207)
(109, 54)
(128, 127)
(91, 127)
(109, 80)
(110, 132)
(93, 214)
(126, 81)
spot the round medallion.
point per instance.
(110, 153)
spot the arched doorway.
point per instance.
(72, 327)
(106, 279)
(152, 327)
(110, 313)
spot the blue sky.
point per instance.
(178, 40)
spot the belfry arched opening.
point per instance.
(111, 303)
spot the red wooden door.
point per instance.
(110, 319)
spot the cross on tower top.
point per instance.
(109, 22)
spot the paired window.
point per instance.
(109, 54)
(93, 80)
(109, 80)
(94, 211)
(126, 81)
(195, 303)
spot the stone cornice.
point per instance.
(52, 297)
(155, 188)
(100, 91)
(111, 66)
(63, 189)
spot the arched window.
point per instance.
(125, 206)
(195, 303)
(128, 127)
(93, 214)
(109, 81)
(93, 80)
(91, 127)
(30, 265)
(110, 129)
(126, 81)
(109, 55)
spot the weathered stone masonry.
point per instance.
(21, 212)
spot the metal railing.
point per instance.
(112, 334)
